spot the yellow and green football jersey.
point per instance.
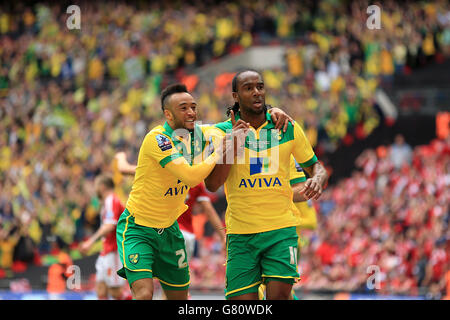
(168, 165)
(258, 188)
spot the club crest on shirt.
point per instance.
(163, 142)
(280, 134)
(134, 258)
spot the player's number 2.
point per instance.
(182, 260)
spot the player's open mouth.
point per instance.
(257, 103)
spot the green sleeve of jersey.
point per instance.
(224, 126)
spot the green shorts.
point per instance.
(147, 252)
(257, 257)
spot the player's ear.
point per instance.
(235, 96)
(168, 114)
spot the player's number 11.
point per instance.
(293, 254)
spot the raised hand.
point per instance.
(121, 158)
(238, 133)
(122, 163)
(238, 124)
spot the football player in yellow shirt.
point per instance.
(261, 218)
(149, 240)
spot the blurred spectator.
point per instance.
(400, 152)
(25, 248)
(8, 241)
(58, 274)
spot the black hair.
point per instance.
(171, 89)
(235, 107)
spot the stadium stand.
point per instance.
(389, 213)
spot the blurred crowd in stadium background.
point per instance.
(70, 99)
(393, 214)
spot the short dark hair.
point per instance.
(171, 89)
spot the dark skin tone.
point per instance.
(251, 98)
(221, 171)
